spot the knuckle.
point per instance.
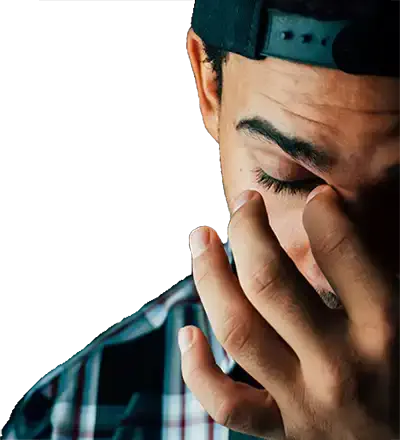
(238, 220)
(228, 412)
(201, 273)
(385, 334)
(337, 382)
(268, 278)
(205, 269)
(192, 375)
(376, 338)
(334, 242)
(235, 334)
(389, 335)
(200, 278)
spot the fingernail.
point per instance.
(316, 191)
(243, 198)
(198, 240)
(185, 337)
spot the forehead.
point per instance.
(345, 114)
(315, 86)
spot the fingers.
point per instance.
(251, 341)
(272, 283)
(232, 404)
(361, 286)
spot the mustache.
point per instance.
(330, 299)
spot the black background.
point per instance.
(93, 98)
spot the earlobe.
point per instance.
(206, 83)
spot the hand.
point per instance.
(326, 373)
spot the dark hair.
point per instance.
(319, 9)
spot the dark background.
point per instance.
(92, 99)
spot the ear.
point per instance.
(205, 82)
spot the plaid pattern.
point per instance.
(127, 383)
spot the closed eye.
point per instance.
(292, 187)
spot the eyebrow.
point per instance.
(299, 149)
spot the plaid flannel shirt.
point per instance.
(127, 384)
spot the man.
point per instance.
(264, 356)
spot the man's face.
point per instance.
(352, 122)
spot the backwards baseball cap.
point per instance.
(367, 46)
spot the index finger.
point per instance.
(363, 288)
(273, 284)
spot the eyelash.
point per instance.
(302, 187)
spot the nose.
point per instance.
(314, 274)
